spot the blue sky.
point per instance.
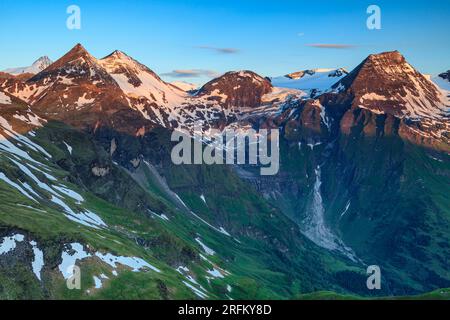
(269, 37)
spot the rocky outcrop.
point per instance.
(445, 75)
(243, 89)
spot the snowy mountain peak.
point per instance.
(79, 48)
(139, 82)
(107, 89)
(37, 66)
(42, 63)
(388, 57)
(387, 83)
(338, 73)
(117, 55)
(242, 89)
(77, 55)
(242, 75)
(78, 51)
(120, 62)
(78, 62)
(81, 83)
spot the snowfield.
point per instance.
(4, 99)
(75, 253)
(317, 79)
(8, 244)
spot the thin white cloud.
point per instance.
(219, 50)
(191, 73)
(331, 46)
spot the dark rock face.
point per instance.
(445, 75)
(242, 89)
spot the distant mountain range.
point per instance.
(313, 82)
(86, 178)
(37, 66)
